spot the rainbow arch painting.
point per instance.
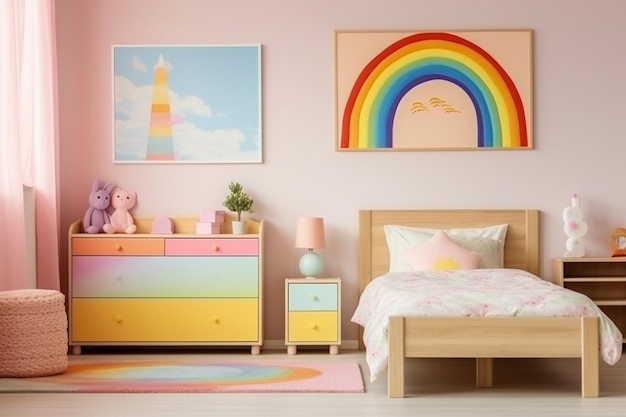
(491, 97)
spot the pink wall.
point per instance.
(579, 109)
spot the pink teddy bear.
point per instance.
(121, 219)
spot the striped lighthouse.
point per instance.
(160, 143)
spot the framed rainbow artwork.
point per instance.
(433, 90)
(187, 104)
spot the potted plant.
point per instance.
(237, 202)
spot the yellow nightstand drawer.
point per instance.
(319, 326)
(164, 320)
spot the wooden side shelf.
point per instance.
(601, 279)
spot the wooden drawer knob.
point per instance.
(117, 247)
(313, 326)
(119, 319)
(215, 320)
(215, 248)
(313, 297)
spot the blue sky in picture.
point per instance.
(215, 101)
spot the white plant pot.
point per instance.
(239, 227)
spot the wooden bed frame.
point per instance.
(482, 338)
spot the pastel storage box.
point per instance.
(208, 228)
(33, 329)
(212, 216)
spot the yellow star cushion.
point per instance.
(440, 253)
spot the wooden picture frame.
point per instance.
(433, 90)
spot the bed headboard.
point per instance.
(521, 249)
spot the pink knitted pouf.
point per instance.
(33, 333)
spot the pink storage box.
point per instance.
(208, 228)
(212, 216)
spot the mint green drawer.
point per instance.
(313, 297)
(165, 276)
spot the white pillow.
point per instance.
(488, 241)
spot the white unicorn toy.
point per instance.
(575, 228)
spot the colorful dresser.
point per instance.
(176, 289)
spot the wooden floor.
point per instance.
(435, 387)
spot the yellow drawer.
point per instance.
(164, 320)
(117, 246)
(318, 326)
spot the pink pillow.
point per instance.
(440, 253)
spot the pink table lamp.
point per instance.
(310, 235)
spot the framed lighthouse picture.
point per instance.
(187, 104)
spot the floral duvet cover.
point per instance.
(467, 293)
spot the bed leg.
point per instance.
(590, 373)
(395, 373)
(484, 372)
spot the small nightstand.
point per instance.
(313, 313)
(601, 279)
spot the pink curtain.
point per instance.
(28, 141)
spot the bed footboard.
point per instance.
(485, 338)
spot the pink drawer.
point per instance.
(211, 247)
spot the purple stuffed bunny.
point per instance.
(97, 216)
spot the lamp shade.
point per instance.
(310, 233)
